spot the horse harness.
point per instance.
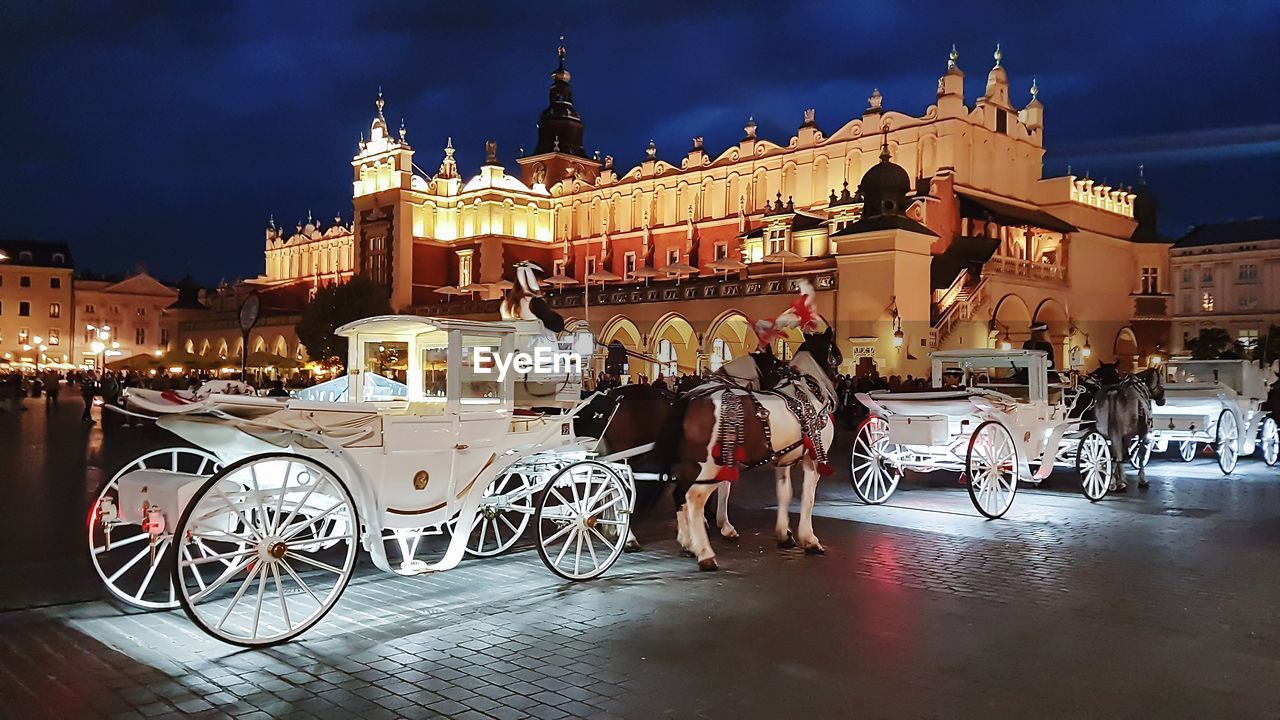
(812, 422)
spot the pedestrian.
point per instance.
(52, 388)
(88, 389)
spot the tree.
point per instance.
(1269, 345)
(338, 305)
(1211, 344)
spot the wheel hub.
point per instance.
(276, 550)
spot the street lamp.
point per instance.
(99, 346)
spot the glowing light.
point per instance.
(1087, 350)
(97, 347)
(1156, 360)
(898, 338)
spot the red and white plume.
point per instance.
(802, 313)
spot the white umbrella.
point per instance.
(502, 285)
(783, 257)
(475, 288)
(727, 265)
(603, 276)
(560, 279)
(450, 290)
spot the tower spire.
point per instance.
(560, 119)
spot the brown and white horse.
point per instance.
(718, 428)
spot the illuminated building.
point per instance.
(134, 308)
(974, 246)
(35, 302)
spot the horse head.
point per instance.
(1154, 380)
(822, 347)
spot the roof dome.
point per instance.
(884, 188)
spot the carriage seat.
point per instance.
(935, 402)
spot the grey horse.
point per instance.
(1123, 412)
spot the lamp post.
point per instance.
(102, 336)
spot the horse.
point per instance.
(718, 427)
(758, 370)
(1123, 411)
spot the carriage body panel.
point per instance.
(1197, 395)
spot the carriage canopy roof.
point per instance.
(415, 324)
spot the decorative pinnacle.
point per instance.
(1142, 177)
(998, 55)
(884, 145)
(652, 150)
(560, 52)
(1035, 89)
(380, 102)
(403, 131)
(951, 59)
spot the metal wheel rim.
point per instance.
(1093, 462)
(584, 509)
(1270, 441)
(1187, 450)
(992, 466)
(119, 576)
(285, 504)
(505, 527)
(873, 479)
(1139, 453)
(1227, 446)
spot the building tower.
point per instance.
(559, 145)
(383, 223)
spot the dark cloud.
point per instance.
(167, 133)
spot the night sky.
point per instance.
(166, 133)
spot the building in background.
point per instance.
(1226, 275)
(920, 232)
(35, 302)
(130, 310)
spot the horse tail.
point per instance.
(1109, 422)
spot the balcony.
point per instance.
(1017, 267)
(1151, 307)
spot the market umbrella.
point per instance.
(783, 257)
(474, 288)
(560, 279)
(263, 359)
(502, 285)
(602, 277)
(450, 290)
(190, 359)
(140, 362)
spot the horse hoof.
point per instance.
(631, 546)
(708, 565)
(788, 543)
(1122, 489)
(815, 550)
(731, 538)
(685, 553)
(1144, 485)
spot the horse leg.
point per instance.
(727, 530)
(808, 494)
(782, 529)
(699, 544)
(682, 518)
(1142, 467)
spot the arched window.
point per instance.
(667, 364)
(720, 353)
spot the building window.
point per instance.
(628, 264)
(1206, 277)
(720, 353)
(777, 240)
(722, 250)
(1248, 339)
(54, 339)
(140, 336)
(464, 268)
(88, 310)
(55, 283)
(755, 250)
(24, 309)
(1206, 302)
(591, 265)
(673, 256)
(142, 312)
(1187, 277)
(1150, 281)
(557, 267)
(55, 310)
(164, 337)
(667, 363)
(1186, 303)
(90, 335)
(377, 257)
(1002, 122)
(1248, 301)
(25, 256)
(59, 258)
(24, 281)
(1247, 272)
(24, 336)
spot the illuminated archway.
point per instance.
(675, 346)
(729, 336)
(1125, 349)
(281, 347)
(620, 334)
(1011, 321)
(190, 346)
(1053, 313)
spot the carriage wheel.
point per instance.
(1093, 463)
(992, 467)
(289, 526)
(1187, 450)
(1270, 441)
(1139, 453)
(874, 479)
(124, 555)
(504, 513)
(1228, 443)
(583, 520)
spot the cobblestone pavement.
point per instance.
(1162, 603)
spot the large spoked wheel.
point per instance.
(125, 548)
(1227, 444)
(992, 467)
(1139, 453)
(504, 513)
(583, 519)
(1187, 450)
(289, 526)
(1270, 440)
(1093, 462)
(874, 478)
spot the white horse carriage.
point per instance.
(1217, 402)
(254, 531)
(992, 426)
